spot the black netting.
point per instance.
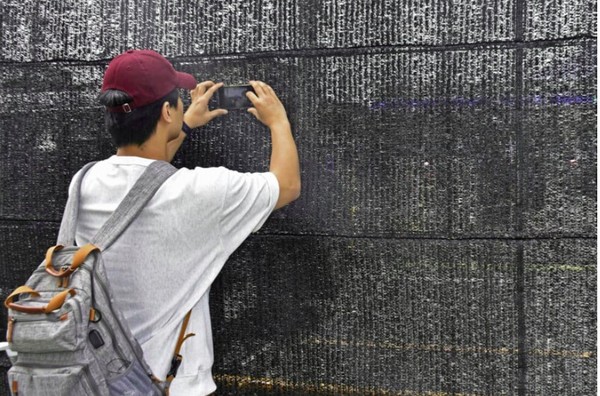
(445, 239)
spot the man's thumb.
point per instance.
(217, 113)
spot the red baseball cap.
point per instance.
(146, 76)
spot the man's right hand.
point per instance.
(285, 164)
(268, 109)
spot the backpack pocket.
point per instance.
(57, 381)
(43, 333)
(134, 382)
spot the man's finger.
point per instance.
(258, 88)
(270, 90)
(203, 86)
(251, 96)
(217, 113)
(211, 91)
(199, 90)
(253, 111)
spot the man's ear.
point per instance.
(165, 112)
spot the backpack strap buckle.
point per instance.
(175, 363)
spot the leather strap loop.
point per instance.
(78, 259)
(55, 303)
(49, 253)
(80, 256)
(19, 290)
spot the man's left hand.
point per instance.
(198, 113)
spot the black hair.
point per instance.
(138, 125)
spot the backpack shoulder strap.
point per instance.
(142, 191)
(136, 199)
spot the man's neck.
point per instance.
(153, 148)
(137, 151)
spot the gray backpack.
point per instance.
(69, 337)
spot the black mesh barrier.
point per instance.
(445, 240)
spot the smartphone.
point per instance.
(233, 97)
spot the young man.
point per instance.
(163, 265)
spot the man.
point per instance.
(163, 265)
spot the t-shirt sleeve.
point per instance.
(249, 200)
(72, 183)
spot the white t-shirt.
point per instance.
(164, 264)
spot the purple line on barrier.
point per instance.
(510, 101)
(330, 163)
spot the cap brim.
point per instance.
(186, 81)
